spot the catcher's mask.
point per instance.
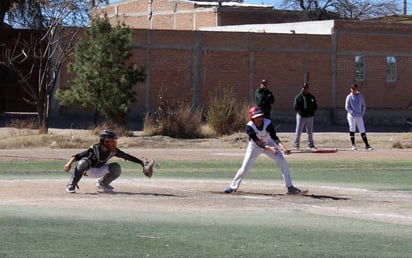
(109, 139)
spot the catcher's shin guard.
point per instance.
(77, 174)
(74, 180)
(114, 172)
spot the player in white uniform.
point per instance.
(262, 139)
(356, 107)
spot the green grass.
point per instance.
(32, 231)
(376, 175)
(79, 233)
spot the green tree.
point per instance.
(103, 80)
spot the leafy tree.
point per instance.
(103, 80)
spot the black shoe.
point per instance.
(293, 190)
(71, 189)
(228, 190)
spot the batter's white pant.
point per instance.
(252, 152)
(356, 121)
(97, 172)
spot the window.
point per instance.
(359, 68)
(390, 69)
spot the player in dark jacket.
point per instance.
(305, 105)
(264, 98)
(92, 163)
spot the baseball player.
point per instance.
(262, 139)
(92, 163)
(264, 98)
(356, 107)
(305, 106)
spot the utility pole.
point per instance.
(405, 7)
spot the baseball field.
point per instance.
(359, 203)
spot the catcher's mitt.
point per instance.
(148, 167)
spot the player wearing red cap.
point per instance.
(262, 139)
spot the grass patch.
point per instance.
(36, 231)
(374, 175)
(78, 233)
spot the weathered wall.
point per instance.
(194, 65)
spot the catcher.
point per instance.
(92, 163)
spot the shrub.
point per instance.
(23, 123)
(175, 119)
(225, 116)
(120, 130)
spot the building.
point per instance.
(198, 64)
(192, 15)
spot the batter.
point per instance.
(262, 139)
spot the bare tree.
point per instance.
(347, 9)
(58, 26)
(46, 52)
(358, 9)
(312, 9)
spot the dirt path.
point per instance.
(206, 195)
(161, 195)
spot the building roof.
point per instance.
(308, 27)
(227, 4)
(394, 18)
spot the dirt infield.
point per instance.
(162, 195)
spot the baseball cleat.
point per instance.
(71, 188)
(368, 147)
(293, 190)
(312, 148)
(228, 190)
(354, 147)
(104, 188)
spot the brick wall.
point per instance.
(183, 15)
(194, 65)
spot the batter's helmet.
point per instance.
(107, 135)
(255, 112)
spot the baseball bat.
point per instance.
(306, 77)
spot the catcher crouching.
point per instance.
(93, 163)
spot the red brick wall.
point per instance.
(375, 41)
(178, 15)
(233, 60)
(194, 65)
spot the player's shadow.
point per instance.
(138, 194)
(314, 196)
